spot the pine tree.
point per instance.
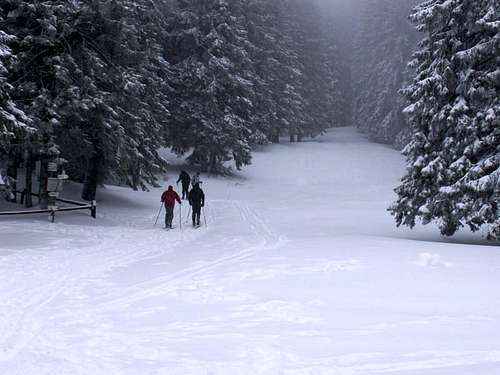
(32, 79)
(92, 76)
(143, 100)
(453, 174)
(297, 36)
(383, 47)
(215, 97)
(13, 121)
(279, 106)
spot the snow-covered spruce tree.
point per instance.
(278, 106)
(453, 175)
(144, 93)
(119, 62)
(13, 122)
(91, 75)
(383, 45)
(314, 77)
(32, 78)
(296, 38)
(260, 23)
(213, 84)
(52, 87)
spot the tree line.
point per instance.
(105, 84)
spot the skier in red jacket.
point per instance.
(168, 198)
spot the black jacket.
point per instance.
(196, 197)
(184, 177)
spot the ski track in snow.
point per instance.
(69, 281)
(268, 287)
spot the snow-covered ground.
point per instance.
(299, 271)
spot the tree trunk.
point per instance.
(213, 163)
(135, 177)
(28, 202)
(92, 175)
(300, 137)
(275, 138)
(12, 168)
(292, 138)
(43, 195)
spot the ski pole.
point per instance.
(204, 218)
(159, 212)
(180, 216)
(187, 216)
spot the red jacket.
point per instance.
(169, 197)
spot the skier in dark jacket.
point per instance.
(185, 179)
(196, 179)
(197, 201)
(168, 198)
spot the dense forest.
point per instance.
(104, 85)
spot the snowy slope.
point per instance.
(300, 271)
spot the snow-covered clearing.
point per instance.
(300, 271)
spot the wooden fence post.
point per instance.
(93, 209)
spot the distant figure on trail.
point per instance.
(196, 180)
(197, 201)
(185, 179)
(168, 198)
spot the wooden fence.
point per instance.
(78, 206)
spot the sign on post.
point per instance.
(54, 184)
